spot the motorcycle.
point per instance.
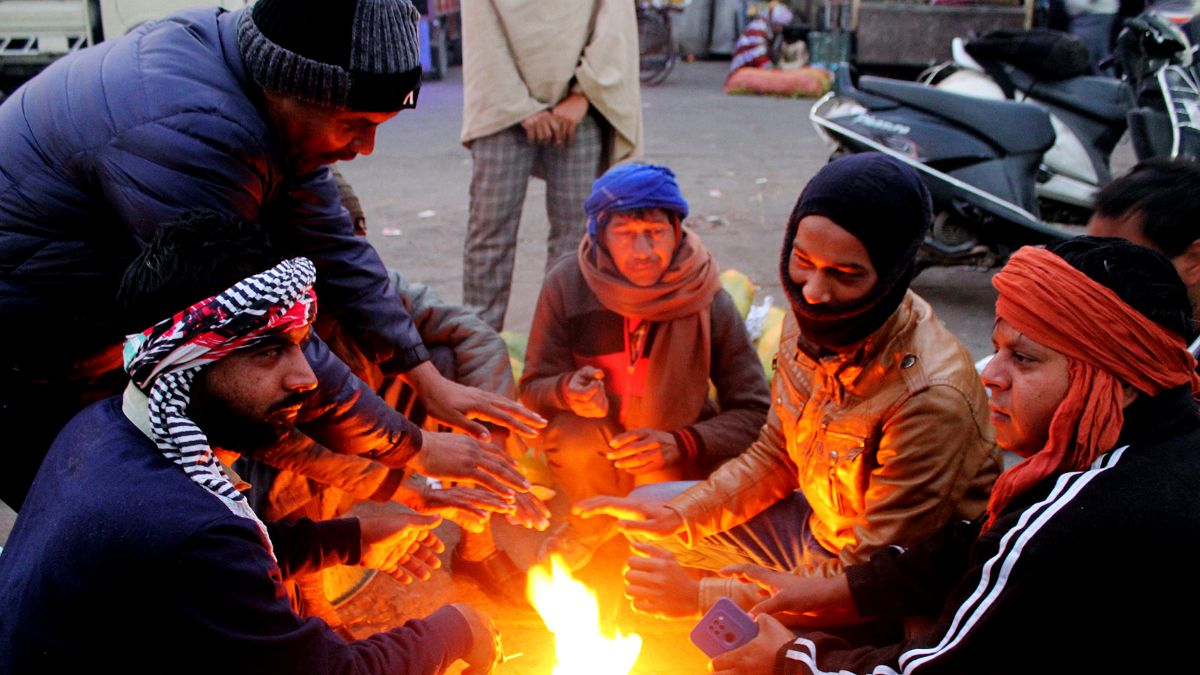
(996, 168)
(1089, 113)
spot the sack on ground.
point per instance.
(809, 82)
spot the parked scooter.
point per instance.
(978, 157)
(1157, 58)
(985, 159)
(1090, 114)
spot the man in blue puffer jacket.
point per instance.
(239, 112)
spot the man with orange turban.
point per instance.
(1087, 552)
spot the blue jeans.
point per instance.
(779, 537)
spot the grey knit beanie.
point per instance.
(361, 55)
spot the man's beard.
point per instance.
(229, 428)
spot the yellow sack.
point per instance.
(768, 342)
(740, 288)
(516, 343)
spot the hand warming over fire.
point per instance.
(798, 600)
(585, 393)
(469, 507)
(634, 517)
(402, 544)
(757, 655)
(659, 586)
(462, 458)
(459, 406)
(529, 512)
(644, 450)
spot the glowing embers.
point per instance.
(570, 611)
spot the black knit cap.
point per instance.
(360, 55)
(886, 206)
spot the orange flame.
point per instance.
(570, 611)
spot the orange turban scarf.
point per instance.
(1106, 342)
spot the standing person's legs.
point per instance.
(570, 172)
(502, 163)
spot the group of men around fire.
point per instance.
(170, 225)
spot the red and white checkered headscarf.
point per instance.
(163, 361)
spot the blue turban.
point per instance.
(629, 187)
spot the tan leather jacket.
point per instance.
(887, 443)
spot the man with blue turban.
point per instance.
(627, 338)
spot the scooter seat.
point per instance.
(1017, 127)
(1104, 98)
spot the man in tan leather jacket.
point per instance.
(878, 433)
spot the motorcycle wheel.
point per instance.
(655, 45)
(952, 242)
(1068, 217)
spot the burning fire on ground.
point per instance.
(570, 611)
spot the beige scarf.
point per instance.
(679, 360)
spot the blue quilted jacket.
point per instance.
(107, 143)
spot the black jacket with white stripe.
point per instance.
(1087, 572)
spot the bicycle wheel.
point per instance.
(657, 54)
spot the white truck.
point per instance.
(33, 33)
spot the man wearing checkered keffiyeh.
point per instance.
(112, 512)
(163, 362)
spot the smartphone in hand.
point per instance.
(724, 627)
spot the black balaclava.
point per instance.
(884, 204)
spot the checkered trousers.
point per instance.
(503, 164)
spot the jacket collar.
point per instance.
(227, 28)
(136, 408)
(1151, 417)
(227, 23)
(849, 364)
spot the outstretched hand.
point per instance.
(644, 451)
(656, 584)
(648, 519)
(464, 408)
(469, 507)
(402, 545)
(826, 600)
(456, 457)
(529, 512)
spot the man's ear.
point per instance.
(1188, 265)
(1128, 394)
